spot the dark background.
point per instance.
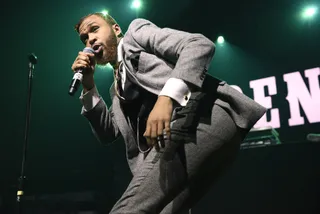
(264, 38)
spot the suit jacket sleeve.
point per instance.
(191, 53)
(102, 124)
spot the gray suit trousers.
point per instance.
(172, 180)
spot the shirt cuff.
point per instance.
(177, 89)
(90, 99)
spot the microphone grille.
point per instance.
(88, 50)
(33, 58)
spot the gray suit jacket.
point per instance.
(152, 55)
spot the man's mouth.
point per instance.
(97, 48)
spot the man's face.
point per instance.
(96, 33)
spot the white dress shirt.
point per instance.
(174, 88)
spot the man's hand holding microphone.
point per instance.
(83, 68)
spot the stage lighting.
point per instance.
(309, 12)
(105, 12)
(220, 39)
(136, 4)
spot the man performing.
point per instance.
(182, 127)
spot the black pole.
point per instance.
(22, 178)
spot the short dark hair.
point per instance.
(109, 19)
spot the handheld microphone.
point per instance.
(78, 76)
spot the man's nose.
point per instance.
(92, 40)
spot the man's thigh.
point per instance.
(181, 167)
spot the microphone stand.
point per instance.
(22, 178)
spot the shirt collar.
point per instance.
(119, 51)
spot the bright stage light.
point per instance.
(309, 12)
(105, 12)
(220, 39)
(136, 4)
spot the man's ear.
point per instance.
(117, 30)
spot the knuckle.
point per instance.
(153, 121)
